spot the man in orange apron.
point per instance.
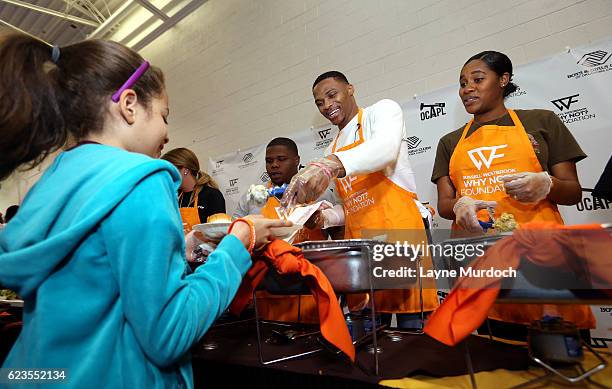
(496, 166)
(282, 163)
(374, 179)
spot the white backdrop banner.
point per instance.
(574, 85)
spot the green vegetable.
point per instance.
(505, 223)
(7, 294)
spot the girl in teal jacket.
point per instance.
(97, 248)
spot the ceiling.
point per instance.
(61, 22)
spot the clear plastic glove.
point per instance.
(465, 212)
(527, 187)
(197, 247)
(310, 183)
(333, 217)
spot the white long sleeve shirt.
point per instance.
(383, 148)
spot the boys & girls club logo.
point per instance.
(597, 61)
(413, 143)
(248, 160)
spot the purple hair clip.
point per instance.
(131, 81)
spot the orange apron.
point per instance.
(189, 215)
(374, 202)
(282, 307)
(475, 167)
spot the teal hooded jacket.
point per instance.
(97, 253)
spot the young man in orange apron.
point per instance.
(374, 180)
(496, 166)
(282, 163)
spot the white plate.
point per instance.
(214, 231)
(13, 303)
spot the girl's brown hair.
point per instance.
(185, 158)
(45, 103)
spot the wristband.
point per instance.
(251, 235)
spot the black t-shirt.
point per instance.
(210, 201)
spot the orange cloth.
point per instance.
(568, 248)
(288, 259)
(285, 307)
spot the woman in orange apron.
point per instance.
(199, 196)
(495, 166)
(373, 178)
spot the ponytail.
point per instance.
(31, 122)
(205, 179)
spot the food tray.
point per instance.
(533, 283)
(346, 263)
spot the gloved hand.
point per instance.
(327, 216)
(310, 183)
(197, 248)
(465, 212)
(527, 187)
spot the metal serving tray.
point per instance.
(346, 263)
(534, 283)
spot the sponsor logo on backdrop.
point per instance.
(432, 111)
(518, 92)
(248, 157)
(323, 138)
(323, 134)
(594, 62)
(264, 177)
(413, 143)
(590, 203)
(565, 102)
(569, 111)
(594, 58)
(479, 158)
(218, 167)
(248, 160)
(233, 187)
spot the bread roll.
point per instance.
(219, 218)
